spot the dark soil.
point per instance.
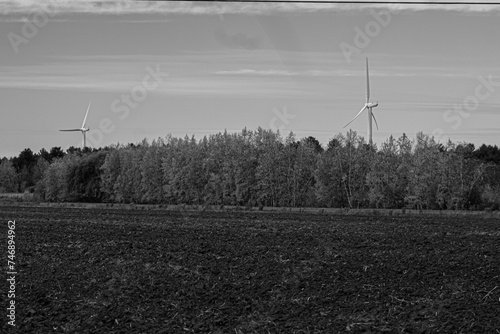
(140, 271)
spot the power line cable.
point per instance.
(338, 2)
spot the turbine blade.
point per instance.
(72, 130)
(85, 119)
(375, 120)
(367, 83)
(359, 113)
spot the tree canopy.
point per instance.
(261, 168)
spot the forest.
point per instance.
(261, 168)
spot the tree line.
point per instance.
(261, 168)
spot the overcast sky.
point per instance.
(153, 69)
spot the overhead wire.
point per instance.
(338, 2)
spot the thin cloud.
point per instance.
(389, 72)
(121, 77)
(122, 7)
(252, 72)
(287, 73)
(440, 107)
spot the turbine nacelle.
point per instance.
(368, 106)
(82, 129)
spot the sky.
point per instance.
(188, 68)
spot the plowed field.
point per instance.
(150, 271)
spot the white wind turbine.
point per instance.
(82, 129)
(368, 106)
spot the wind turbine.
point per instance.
(368, 106)
(82, 129)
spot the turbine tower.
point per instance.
(82, 129)
(368, 106)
